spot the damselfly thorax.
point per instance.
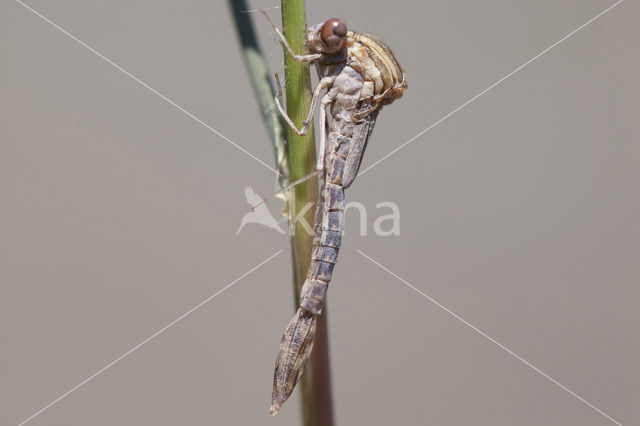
(384, 78)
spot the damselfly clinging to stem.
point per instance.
(360, 74)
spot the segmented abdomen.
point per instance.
(347, 142)
(326, 246)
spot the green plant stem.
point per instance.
(296, 161)
(315, 384)
(258, 71)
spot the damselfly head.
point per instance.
(327, 38)
(333, 32)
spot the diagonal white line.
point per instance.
(500, 345)
(139, 345)
(491, 87)
(136, 79)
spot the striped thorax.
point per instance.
(384, 77)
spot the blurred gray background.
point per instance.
(520, 213)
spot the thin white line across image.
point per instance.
(485, 335)
(139, 345)
(490, 87)
(136, 79)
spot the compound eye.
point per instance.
(333, 32)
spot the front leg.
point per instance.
(285, 43)
(325, 83)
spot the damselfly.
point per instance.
(360, 74)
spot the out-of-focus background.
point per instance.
(520, 213)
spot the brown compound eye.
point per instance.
(333, 32)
